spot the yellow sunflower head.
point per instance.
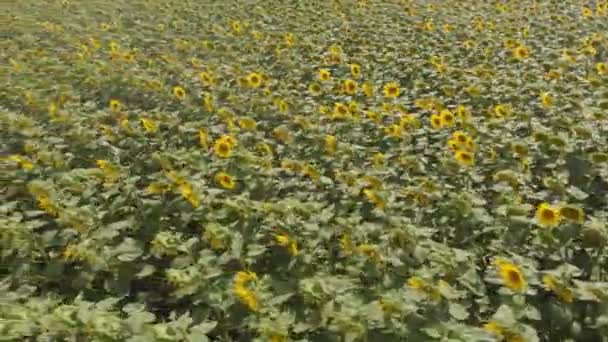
(392, 90)
(447, 118)
(115, 106)
(436, 122)
(222, 148)
(254, 80)
(368, 89)
(512, 277)
(355, 70)
(521, 52)
(464, 158)
(601, 68)
(546, 99)
(324, 75)
(179, 93)
(314, 89)
(349, 87)
(547, 216)
(225, 180)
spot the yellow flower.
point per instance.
(179, 93)
(206, 78)
(394, 131)
(374, 198)
(189, 195)
(209, 103)
(222, 148)
(546, 99)
(378, 159)
(284, 241)
(115, 106)
(601, 68)
(225, 180)
(24, 162)
(247, 124)
(314, 89)
(156, 188)
(290, 39)
(586, 12)
(355, 70)
(561, 291)
(547, 216)
(494, 328)
(572, 213)
(324, 75)
(111, 172)
(349, 87)
(392, 90)
(460, 137)
(236, 26)
(511, 275)
(521, 52)
(501, 111)
(416, 283)
(203, 138)
(283, 106)
(254, 80)
(341, 110)
(464, 158)
(149, 125)
(436, 121)
(463, 113)
(373, 116)
(331, 144)
(447, 118)
(368, 89)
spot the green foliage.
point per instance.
(304, 171)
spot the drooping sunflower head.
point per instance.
(547, 216)
(572, 213)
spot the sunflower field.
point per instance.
(327, 170)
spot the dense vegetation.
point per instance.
(304, 171)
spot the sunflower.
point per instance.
(572, 213)
(254, 80)
(521, 52)
(314, 89)
(379, 160)
(447, 118)
(349, 87)
(179, 93)
(355, 70)
(206, 78)
(392, 90)
(373, 116)
(511, 275)
(462, 113)
(115, 106)
(368, 89)
(460, 137)
(149, 125)
(290, 39)
(225, 180)
(501, 111)
(601, 68)
(464, 158)
(247, 124)
(547, 216)
(374, 198)
(555, 286)
(341, 110)
(331, 144)
(394, 131)
(546, 99)
(222, 148)
(324, 75)
(436, 122)
(586, 12)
